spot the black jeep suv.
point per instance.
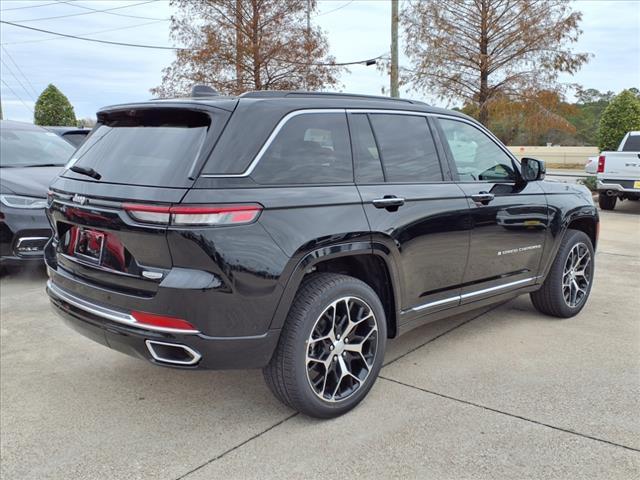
(297, 232)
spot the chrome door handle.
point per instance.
(483, 197)
(390, 202)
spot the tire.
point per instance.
(607, 202)
(304, 370)
(555, 298)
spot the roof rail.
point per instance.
(294, 93)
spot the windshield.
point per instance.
(153, 147)
(32, 148)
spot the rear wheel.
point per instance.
(607, 202)
(566, 289)
(331, 347)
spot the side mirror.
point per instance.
(532, 169)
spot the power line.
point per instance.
(335, 9)
(83, 34)
(95, 40)
(15, 77)
(112, 13)
(35, 93)
(91, 12)
(15, 95)
(367, 61)
(30, 6)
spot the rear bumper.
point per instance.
(625, 186)
(110, 327)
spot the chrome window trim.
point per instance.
(270, 140)
(296, 113)
(107, 313)
(464, 296)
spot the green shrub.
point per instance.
(621, 116)
(590, 183)
(53, 108)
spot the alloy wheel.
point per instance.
(341, 349)
(576, 275)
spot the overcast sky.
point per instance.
(94, 75)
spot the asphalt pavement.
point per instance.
(501, 393)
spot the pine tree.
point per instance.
(53, 108)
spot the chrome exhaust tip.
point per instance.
(611, 193)
(172, 353)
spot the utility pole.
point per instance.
(394, 49)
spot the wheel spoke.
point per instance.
(340, 350)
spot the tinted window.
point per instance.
(365, 150)
(632, 144)
(22, 148)
(310, 148)
(148, 147)
(477, 157)
(407, 149)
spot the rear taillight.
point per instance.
(194, 215)
(161, 321)
(601, 164)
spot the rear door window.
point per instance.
(407, 148)
(310, 148)
(154, 147)
(366, 156)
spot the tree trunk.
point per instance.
(483, 94)
(255, 41)
(239, 47)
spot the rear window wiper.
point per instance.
(89, 172)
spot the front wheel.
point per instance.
(331, 347)
(567, 287)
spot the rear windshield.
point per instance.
(632, 144)
(32, 148)
(155, 147)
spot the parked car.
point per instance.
(74, 135)
(30, 157)
(296, 232)
(618, 172)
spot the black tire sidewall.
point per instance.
(312, 404)
(572, 238)
(606, 202)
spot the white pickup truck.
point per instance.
(618, 172)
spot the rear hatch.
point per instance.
(138, 162)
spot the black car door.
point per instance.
(508, 216)
(416, 213)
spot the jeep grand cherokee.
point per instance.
(297, 232)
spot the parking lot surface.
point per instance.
(498, 393)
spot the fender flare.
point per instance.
(562, 231)
(300, 264)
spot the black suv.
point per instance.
(296, 232)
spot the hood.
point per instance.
(31, 181)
